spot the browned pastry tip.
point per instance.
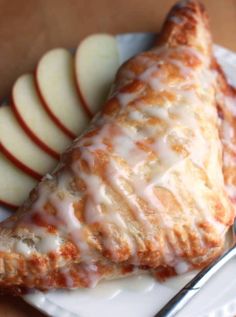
(187, 24)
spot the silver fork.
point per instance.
(194, 286)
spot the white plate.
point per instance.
(142, 296)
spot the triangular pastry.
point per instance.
(143, 188)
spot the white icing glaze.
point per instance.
(48, 176)
(228, 131)
(126, 98)
(230, 104)
(126, 148)
(181, 267)
(22, 248)
(149, 76)
(157, 112)
(167, 156)
(136, 115)
(49, 243)
(65, 211)
(231, 189)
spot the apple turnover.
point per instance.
(143, 188)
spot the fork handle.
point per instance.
(192, 287)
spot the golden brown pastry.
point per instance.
(143, 187)
(226, 105)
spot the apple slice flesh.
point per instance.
(20, 149)
(34, 118)
(96, 63)
(14, 184)
(57, 87)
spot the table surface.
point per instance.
(28, 28)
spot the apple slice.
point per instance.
(96, 63)
(56, 85)
(20, 149)
(14, 184)
(35, 120)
